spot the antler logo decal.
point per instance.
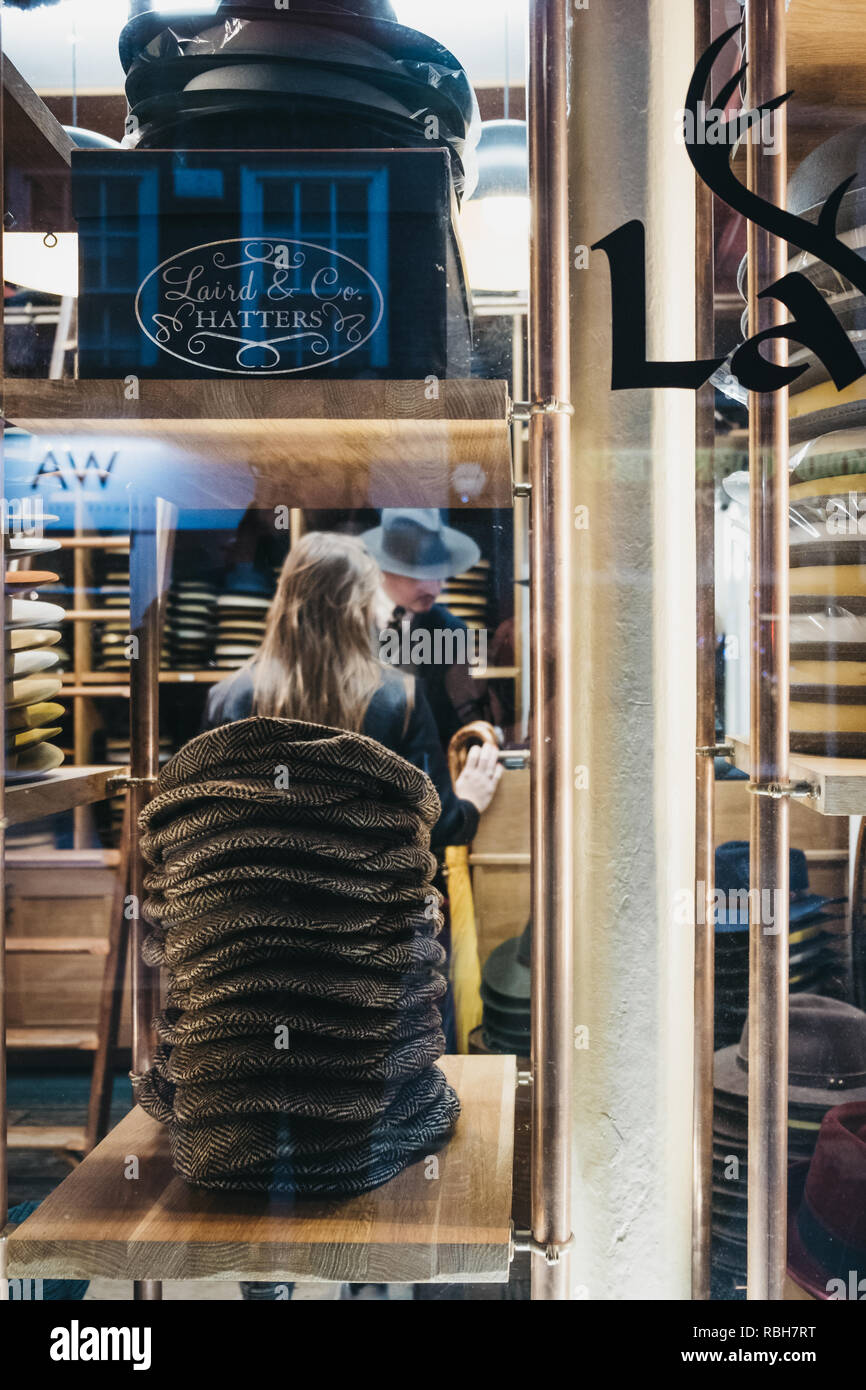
(814, 325)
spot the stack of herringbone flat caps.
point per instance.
(292, 908)
(32, 664)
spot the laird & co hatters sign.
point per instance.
(259, 308)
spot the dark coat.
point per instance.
(385, 721)
(454, 697)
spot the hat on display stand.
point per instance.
(310, 76)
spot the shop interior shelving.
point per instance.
(309, 444)
(446, 1219)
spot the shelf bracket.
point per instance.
(524, 1243)
(122, 782)
(522, 411)
(799, 791)
(716, 750)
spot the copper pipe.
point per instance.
(770, 597)
(147, 584)
(705, 531)
(551, 647)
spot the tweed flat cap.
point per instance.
(300, 912)
(229, 1147)
(259, 746)
(306, 1055)
(265, 1016)
(213, 886)
(260, 947)
(320, 848)
(188, 813)
(376, 992)
(308, 1096)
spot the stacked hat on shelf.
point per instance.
(828, 473)
(814, 958)
(323, 74)
(827, 1209)
(110, 636)
(242, 610)
(826, 1066)
(291, 905)
(828, 596)
(191, 624)
(32, 664)
(468, 596)
(506, 989)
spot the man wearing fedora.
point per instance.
(417, 553)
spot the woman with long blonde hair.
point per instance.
(319, 662)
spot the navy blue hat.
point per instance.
(732, 877)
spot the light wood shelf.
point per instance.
(65, 1138)
(44, 1038)
(303, 443)
(838, 784)
(57, 791)
(454, 1228)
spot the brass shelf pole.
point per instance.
(552, 529)
(770, 598)
(705, 529)
(152, 524)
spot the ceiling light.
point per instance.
(495, 220)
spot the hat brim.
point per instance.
(732, 1080)
(397, 40)
(462, 553)
(803, 1268)
(798, 911)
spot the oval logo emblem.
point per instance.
(259, 308)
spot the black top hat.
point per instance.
(374, 20)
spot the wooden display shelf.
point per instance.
(110, 678)
(44, 1038)
(306, 443)
(450, 1228)
(57, 791)
(62, 1138)
(838, 784)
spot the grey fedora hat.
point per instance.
(416, 543)
(827, 1054)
